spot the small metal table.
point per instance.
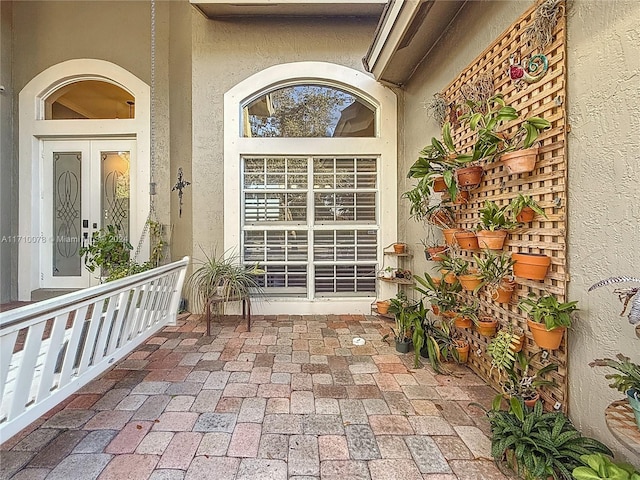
(221, 300)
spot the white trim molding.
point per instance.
(383, 146)
(34, 129)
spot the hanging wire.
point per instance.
(152, 150)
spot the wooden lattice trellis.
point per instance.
(546, 184)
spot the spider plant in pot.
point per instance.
(521, 382)
(223, 276)
(402, 309)
(442, 296)
(496, 271)
(548, 318)
(626, 381)
(494, 226)
(524, 208)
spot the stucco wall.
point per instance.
(8, 185)
(46, 33)
(604, 196)
(604, 151)
(226, 52)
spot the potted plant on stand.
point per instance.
(524, 208)
(494, 226)
(627, 381)
(548, 319)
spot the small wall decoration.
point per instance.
(523, 73)
(539, 33)
(478, 90)
(179, 186)
(437, 108)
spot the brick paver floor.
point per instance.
(292, 399)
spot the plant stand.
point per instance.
(220, 301)
(622, 424)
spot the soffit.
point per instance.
(220, 8)
(407, 32)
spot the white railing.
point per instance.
(50, 349)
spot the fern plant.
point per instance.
(538, 444)
(502, 348)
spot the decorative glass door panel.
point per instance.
(87, 187)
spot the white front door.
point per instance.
(86, 186)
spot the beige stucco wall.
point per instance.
(8, 190)
(604, 196)
(49, 32)
(604, 151)
(226, 52)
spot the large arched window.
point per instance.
(310, 183)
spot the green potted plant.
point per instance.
(493, 226)
(466, 314)
(402, 309)
(496, 271)
(627, 381)
(223, 276)
(548, 318)
(107, 251)
(538, 444)
(442, 296)
(431, 339)
(520, 382)
(597, 466)
(524, 208)
(451, 265)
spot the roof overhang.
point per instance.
(306, 8)
(407, 32)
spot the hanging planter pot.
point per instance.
(433, 253)
(526, 215)
(546, 339)
(462, 198)
(531, 402)
(467, 240)
(463, 347)
(469, 178)
(503, 293)
(532, 266)
(449, 235)
(448, 276)
(493, 240)
(439, 185)
(470, 282)
(520, 161)
(462, 322)
(487, 326)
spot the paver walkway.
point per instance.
(294, 398)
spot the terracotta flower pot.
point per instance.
(547, 339)
(504, 291)
(449, 314)
(435, 309)
(449, 234)
(491, 240)
(462, 322)
(526, 215)
(487, 326)
(448, 277)
(520, 161)
(463, 351)
(439, 185)
(399, 248)
(382, 306)
(533, 266)
(469, 282)
(531, 402)
(433, 253)
(462, 197)
(467, 240)
(469, 177)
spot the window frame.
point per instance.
(383, 146)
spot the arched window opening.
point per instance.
(309, 110)
(89, 99)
